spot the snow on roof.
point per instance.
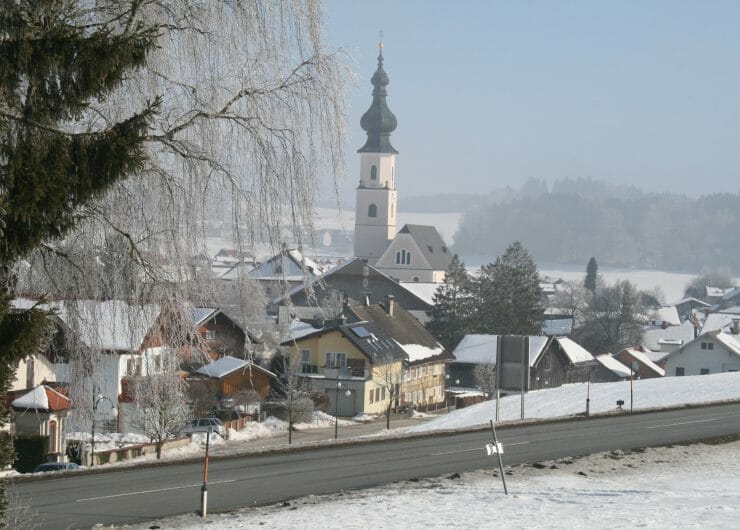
(298, 329)
(732, 342)
(109, 325)
(653, 336)
(575, 352)
(476, 349)
(42, 398)
(734, 310)
(645, 359)
(200, 314)
(613, 365)
(481, 349)
(227, 365)
(717, 321)
(423, 290)
(718, 292)
(668, 314)
(691, 299)
(417, 352)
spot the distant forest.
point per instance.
(620, 225)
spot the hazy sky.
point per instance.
(489, 94)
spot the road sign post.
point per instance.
(497, 449)
(204, 488)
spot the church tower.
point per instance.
(375, 207)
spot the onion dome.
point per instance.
(379, 122)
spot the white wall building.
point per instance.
(711, 353)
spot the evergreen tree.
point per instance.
(591, 274)
(451, 313)
(51, 164)
(509, 295)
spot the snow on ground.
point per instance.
(571, 399)
(674, 487)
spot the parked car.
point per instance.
(55, 466)
(205, 425)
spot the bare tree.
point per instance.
(388, 374)
(294, 389)
(250, 110)
(161, 408)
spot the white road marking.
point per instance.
(680, 423)
(474, 449)
(152, 491)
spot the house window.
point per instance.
(372, 210)
(382, 394)
(416, 278)
(133, 366)
(546, 363)
(372, 397)
(209, 334)
(377, 394)
(305, 361)
(704, 371)
(707, 345)
(373, 172)
(679, 370)
(336, 360)
(403, 257)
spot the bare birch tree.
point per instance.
(249, 117)
(160, 406)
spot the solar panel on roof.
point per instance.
(360, 331)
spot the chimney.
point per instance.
(391, 303)
(735, 329)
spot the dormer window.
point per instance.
(209, 334)
(372, 210)
(373, 172)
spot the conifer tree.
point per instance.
(591, 274)
(51, 165)
(508, 294)
(451, 313)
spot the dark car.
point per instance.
(55, 466)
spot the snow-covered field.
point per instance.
(674, 487)
(571, 399)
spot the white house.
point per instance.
(711, 353)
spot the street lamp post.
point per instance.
(114, 412)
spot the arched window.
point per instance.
(372, 210)
(373, 172)
(416, 278)
(403, 257)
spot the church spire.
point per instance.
(379, 122)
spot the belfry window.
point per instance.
(373, 172)
(372, 210)
(403, 257)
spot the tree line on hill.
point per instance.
(574, 219)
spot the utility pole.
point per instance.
(204, 487)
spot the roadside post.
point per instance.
(497, 449)
(204, 487)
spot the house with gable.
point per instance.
(711, 353)
(233, 376)
(352, 364)
(561, 361)
(351, 280)
(43, 411)
(416, 254)
(424, 385)
(219, 332)
(609, 370)
(639, 360)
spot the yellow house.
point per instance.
(357, 365)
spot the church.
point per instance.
(415, 253)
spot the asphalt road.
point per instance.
(137, 495)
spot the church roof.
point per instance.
(379, 122)
(431, 245)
